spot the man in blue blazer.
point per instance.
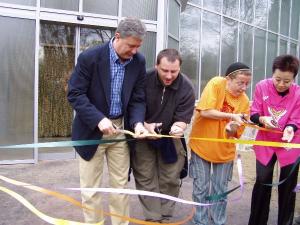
(106, 90)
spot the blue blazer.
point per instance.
(89, 94)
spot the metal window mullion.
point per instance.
(253, 42)
(266, 41)
(238, 31)
(167, 23)
(279, 29)
(77, 52)
(14, 162)
(161, 26)
(179, 30)
(238, 42)
(24, 13)
(36, 83)
(120, 10)
(252, 60)
(200, 53)
(290, 24)
(298, 45)
(80, 6)
(15, 6)
(220, 44)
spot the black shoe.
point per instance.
(296, 220)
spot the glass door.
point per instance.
(17, 46)
(59, 47)
(56, 61)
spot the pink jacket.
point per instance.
(285, 110)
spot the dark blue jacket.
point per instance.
(89, 94)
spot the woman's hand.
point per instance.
(268, 122)
(288, 134)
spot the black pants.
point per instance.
(261, 194)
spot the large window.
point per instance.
(173, 24)
(230, 8)
(101, 7)
(215, 5)
(273, 15)
(229, 43)
(245, 44)
(190, 36)
(21, 2)
(224, 31)
(17, 86)
(56, 61)
(210, 47)
(259, 56)
(58, 4)
(148, 49)
(295, 19)
(285, 17)
(283, 46)
(40, 43)
(261, 13)
(140, 8)
(272, 52)
(247, 10)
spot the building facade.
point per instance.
(215, 33)
(40, 41)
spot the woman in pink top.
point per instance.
(276, 105)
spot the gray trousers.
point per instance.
(207, 182)
(152, 174)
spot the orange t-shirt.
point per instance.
(215, 96)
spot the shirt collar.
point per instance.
(114, 56)
(174, 85)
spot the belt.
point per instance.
(115, 117)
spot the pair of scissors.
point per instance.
(158, 128)
(245, 120)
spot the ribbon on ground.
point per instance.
(222, 196)
(79, 204)
(131, 191)
(290, 173)
(215, 198)
(95, 142)
(41, 215)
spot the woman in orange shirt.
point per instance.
(222, 100)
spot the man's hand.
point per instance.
(152, 128)
(140, 131)
(288, 134)
(268, 122)
(106, 127)
(178, 129)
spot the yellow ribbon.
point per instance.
(41, 215)
(56, 221)
(233, 141)
(79, 204)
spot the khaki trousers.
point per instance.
(117, 157)
(152, 174)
